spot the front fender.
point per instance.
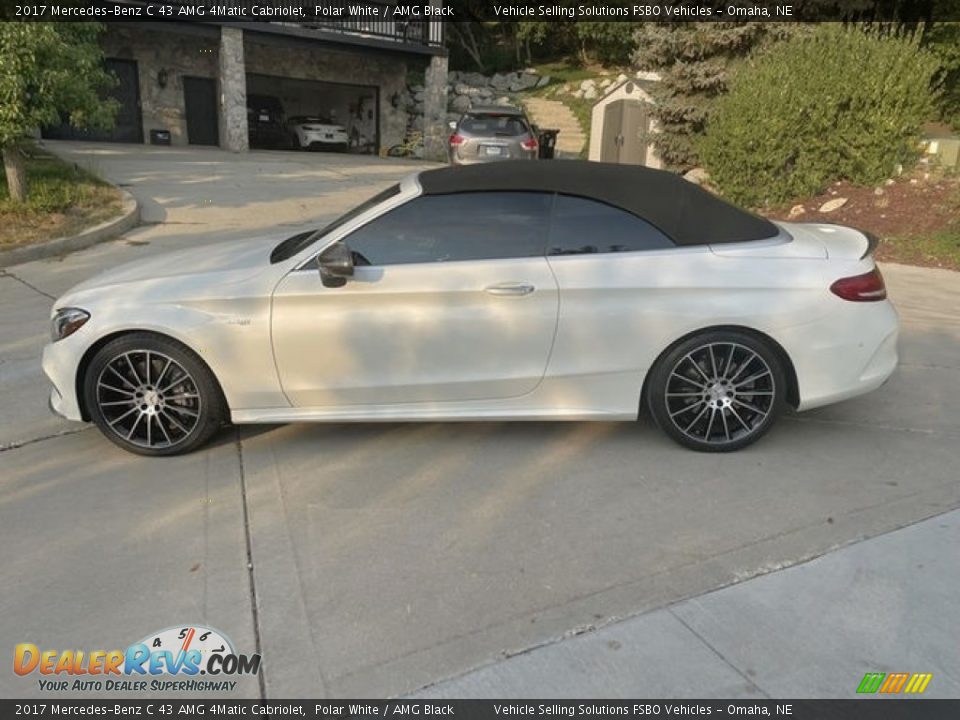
(234, 344)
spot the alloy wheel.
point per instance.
(148, 399)
(720, 393)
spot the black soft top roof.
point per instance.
(687, 213)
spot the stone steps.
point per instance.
(554, 114)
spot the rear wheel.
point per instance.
(152, 396)
(717, 391)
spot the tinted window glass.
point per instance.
(493, 125)
(582, 226)
(463, 226)
(292, 245)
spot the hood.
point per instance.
(237, 258)
(220, 270)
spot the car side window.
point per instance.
(456, 227)
(582, 226)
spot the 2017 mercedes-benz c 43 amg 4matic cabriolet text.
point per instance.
(504, 291)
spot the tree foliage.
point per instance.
(609, 43)
(486, 44)
(943, 40)
(49, 68)
(48, 72)
(838, 104)
(695, 61)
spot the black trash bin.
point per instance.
(159, 137)
(548, 142)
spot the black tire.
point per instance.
(152, 395)
(718, 391)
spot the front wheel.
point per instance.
(152, 396)
(717, 391)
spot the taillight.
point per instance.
(868, 287)
(530, 144)
(456, 139)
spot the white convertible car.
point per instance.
(507, 291)
(317, 133)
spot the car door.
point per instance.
(451, 300)
(617, 275)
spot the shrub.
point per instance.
(696, 61)
(840, 103)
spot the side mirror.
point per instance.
(335, 265)
(452, 124)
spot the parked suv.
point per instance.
(265, 122)
(487, 134)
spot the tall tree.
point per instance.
(48, 71)
(694, 60)
(697, 59)
(943, 39)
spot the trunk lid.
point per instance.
(804, 241)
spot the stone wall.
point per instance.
(174, 53)
(460, 91)
(198, 54)
(233, 92)
(433, 109)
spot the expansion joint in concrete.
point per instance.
(255, 617)
(719, 654)
(7, 273)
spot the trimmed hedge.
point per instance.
(838, 104)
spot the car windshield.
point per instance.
(494, 124)
(293, 245)
(261, 103)
(300, 119)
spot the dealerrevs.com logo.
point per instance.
(182, 652)
(894, 683)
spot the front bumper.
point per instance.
(60, 360)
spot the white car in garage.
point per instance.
(315, 132)
(501, 291)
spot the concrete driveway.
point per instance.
(375, 560)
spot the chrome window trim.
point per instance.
(409, 189)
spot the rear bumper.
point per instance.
(457, 160)
(850, 353)
(321, 140)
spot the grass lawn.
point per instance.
(939, 248)
(565, 71)
(62, 200)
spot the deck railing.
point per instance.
(362, 19)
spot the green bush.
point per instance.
(839, 104)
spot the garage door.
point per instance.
(128, 127)
(354, 107)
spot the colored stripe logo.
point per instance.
(894, 683)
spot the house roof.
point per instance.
(685, 212)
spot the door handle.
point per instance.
(515, 289)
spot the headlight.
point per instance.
(66, 322)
